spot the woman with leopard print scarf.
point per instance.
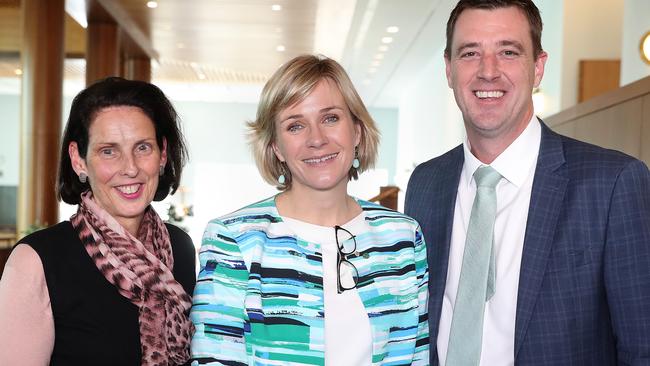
(112, 285)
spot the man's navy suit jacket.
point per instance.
(584, 284)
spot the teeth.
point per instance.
(320, 160)
(488, 94)
(129, 189)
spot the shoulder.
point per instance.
(61, 229)
(42, 239)
(590, 160)
(448, 160)
(24, 258)
(180, 240)
(379, 216)
(258, 216)
(437, 172)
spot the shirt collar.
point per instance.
(516, 161)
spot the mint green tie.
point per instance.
(477, 276)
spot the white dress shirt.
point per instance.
(516, 165)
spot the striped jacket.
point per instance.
(259, 295)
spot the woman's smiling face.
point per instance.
(316, 137)
(122, 162)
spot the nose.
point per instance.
(129, 166)
(317, 136)
(489, 67)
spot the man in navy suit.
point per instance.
(571, 242)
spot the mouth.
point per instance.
(320, 159)
(130, 191)
(489, 94)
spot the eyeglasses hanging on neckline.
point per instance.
(346, 244)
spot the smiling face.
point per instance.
(492, 70)
(122, 163)
(316, 138)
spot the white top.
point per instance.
(348, 338)
(517, 166)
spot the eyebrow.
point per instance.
(506, 42)
(324, 110)
(110, 143)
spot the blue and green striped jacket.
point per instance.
(259, 295)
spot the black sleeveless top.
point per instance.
(93, 323)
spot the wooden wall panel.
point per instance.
(103, 51)
(619, 119)
(645, 131)
(617, 127)
(597, 77)
(41, 103)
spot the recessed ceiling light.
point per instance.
(280, 48)
(379, 56)
(392, 29)
(383, 48)
(18, 72)
(276, 7)
(387, 40)
(375, 63)
(201, 76)
(152, 4)
(372, 70)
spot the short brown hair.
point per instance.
(526, 6)
(112, 92)
(291, 84)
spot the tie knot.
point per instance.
(487, 177)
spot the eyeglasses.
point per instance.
(347, 275)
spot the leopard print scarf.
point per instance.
(141, 269)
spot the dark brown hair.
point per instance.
(113, 92)
(527, 7)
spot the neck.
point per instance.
(486, 147)
(487, 151)
(131, 225)
(325, 208)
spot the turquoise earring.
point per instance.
(282, 178)
(356, 163)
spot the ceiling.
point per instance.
(228, 48)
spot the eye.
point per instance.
(510, 53)
(107, 151)
(143, 147)
(294, 127)
(331, 118)
(468, 54)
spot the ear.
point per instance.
(163, 152)
(357, 133)
(448, 71)
(539, 67)
(277, 152)
(78, 163)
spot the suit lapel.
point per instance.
(442, 217)
(549, 188)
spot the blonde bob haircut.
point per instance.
(291, 84)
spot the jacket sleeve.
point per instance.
(421, 356)
(218, 310)
(627, 264)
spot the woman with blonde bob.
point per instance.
(312, 276)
